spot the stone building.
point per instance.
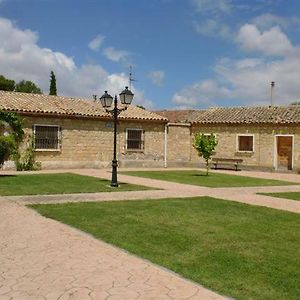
(266, 138)
(78, 133)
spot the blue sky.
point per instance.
(185, 54)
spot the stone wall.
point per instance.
(88, 143)
(179, 145)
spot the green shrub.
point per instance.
(26, 161)
(7, 147)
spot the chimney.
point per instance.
(272, 92)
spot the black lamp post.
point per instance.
(106, 100)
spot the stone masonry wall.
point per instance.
(89, 143)
(179, 145)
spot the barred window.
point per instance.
(46, 137)
(245, 142)
(134, 139)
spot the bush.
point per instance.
(26, 162)
(7, 147)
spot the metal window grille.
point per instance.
(245, 143)
(46, 137)
(135, 139)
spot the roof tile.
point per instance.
(45, 104)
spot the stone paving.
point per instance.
(44, 259)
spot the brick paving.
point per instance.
(44, 259)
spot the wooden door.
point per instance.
(284, 152)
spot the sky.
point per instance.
(185, 54)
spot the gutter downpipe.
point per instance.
(166, 145)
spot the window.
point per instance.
(246, 143)
(47, 137)
(134, 139)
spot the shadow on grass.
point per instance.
(199, 175)
(5, 175)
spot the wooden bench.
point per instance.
(234, 161)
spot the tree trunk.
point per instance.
(207, 167)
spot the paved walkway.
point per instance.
(44, 259)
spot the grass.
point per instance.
(285, 195)
(212, 180)
(242, 251)
(60, 183)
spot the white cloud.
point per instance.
(96, 43)
(247, 81)
(266, 21)
(269, 42)
(116, 55)
(214, 28)
(201, 94)
(22, 58)
(157, 77)
(212, 6)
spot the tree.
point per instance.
(205, 145)
(53, 90)
(27, 87)
(9, 141)
(296, 102)
(6, 84)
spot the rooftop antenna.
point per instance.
(130, 77)
(272, 92)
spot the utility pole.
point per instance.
(272, 92)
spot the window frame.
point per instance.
(59, 130)
(142, 140)
(238, 144)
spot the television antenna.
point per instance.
(130, 77)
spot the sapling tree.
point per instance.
(205, 146)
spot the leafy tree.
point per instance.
(9, 142)
(205, 145)
(53, 90)
(6, 84)
(27, 87)
(296, 103)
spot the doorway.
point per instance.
(284, 147)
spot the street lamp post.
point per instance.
(106, 99)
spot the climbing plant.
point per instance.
(9, 142)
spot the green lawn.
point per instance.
(60, 183)
(286, 195)
(212, 180)
(242, 251)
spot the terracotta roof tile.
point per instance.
(180, 116)
(56, 105)
(250, 115)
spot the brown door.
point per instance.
(284, 152)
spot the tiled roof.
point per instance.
(56, 105)
(250, 115)
(180, 116)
